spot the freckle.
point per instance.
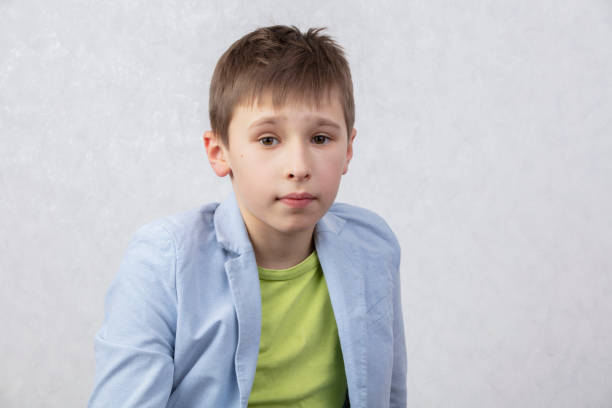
(242, 155)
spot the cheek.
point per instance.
(330, 172)
(252, 171)
(331, 165)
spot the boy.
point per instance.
(277, 296)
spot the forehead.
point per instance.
(324, 111)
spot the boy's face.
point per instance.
(298, 149)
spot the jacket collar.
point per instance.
(232, 234)
(229, 226)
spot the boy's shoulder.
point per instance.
(360, 217)
(183, 227)
(366, 227)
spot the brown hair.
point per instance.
(281, 60)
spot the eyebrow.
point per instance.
(273, 120)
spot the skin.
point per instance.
(266, 162)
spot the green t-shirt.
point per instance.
(300, 361)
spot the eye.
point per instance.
(267, 140)
(321, 139)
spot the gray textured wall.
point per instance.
(484, 138)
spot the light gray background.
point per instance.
(483, 138)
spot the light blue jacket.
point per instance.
(183, 314)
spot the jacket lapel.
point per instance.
(241, 270)
(343, 272)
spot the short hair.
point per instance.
(281, 60)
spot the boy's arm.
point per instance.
(398, 377)
(134, 349)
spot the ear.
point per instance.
(349, 150)
(216, 154)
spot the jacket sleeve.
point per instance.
(398, 376)
(135, 346)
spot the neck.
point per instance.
(281, 251)
(275, 249)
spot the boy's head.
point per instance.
(282, 114)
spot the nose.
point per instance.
(298, 167)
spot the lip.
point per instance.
(297, 200)
(298, 196)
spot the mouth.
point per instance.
(297, 200)
(298, 196)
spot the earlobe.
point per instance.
(349, 150)
(216, 154)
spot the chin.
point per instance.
(296, 227)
